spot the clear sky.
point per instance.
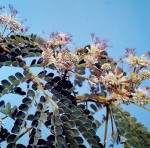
(126, 23)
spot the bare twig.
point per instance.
(106, 125)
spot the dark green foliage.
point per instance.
(3, 134)
(7, 110)
(11, 86)
(78, 80)
(129, 128)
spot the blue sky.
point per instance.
(124, 22)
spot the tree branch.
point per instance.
(106, 125)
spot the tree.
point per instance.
(50, 98)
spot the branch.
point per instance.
(4, 30)
(77, 74)
(106, 125)
(142, 107)
(41, 87)
(98, 99)
(112, 124)
(28, 129)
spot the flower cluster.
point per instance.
(145, 75)
(114, 79)
(106, 66)
(59, 39)
(90, 60)
(125, 93)
(96, 49)
(136, 78)
(119, 86)
(61, 60)
(140, 96)
(138, 61)
(10, 21)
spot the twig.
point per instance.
(41, 87)
(99, 99)
(28, 129)
(4, 30)
(112, 123)
(106, 125)
(4, 117)
(9, 33)
(77, 74)
(142, 107)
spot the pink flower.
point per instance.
(60, 39)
